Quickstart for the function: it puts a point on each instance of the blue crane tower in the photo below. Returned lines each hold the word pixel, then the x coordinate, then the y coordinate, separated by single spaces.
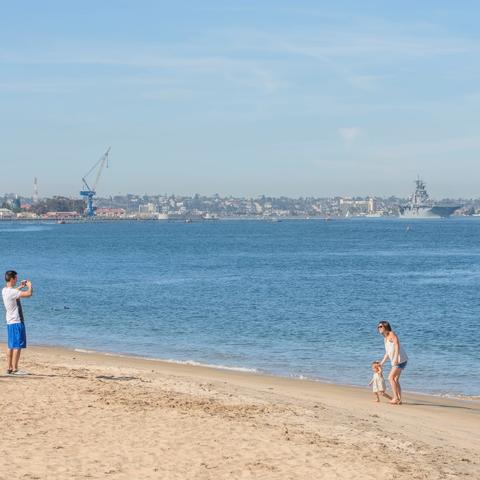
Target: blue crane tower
pixel 88 192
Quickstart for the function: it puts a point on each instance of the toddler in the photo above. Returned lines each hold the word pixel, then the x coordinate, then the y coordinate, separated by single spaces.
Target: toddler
pixel 378 382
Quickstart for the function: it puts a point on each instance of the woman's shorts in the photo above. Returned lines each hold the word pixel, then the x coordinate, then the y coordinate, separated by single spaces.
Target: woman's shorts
pixel 401 366
pixel 17 337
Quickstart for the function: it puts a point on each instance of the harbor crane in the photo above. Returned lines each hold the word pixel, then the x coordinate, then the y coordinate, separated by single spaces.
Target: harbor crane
pixel 88 192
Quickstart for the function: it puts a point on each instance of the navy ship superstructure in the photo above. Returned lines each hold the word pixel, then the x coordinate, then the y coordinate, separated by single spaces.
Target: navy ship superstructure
pixel 420 205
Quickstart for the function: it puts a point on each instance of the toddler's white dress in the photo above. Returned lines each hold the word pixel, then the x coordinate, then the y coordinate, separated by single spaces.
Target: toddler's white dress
pixel 378 384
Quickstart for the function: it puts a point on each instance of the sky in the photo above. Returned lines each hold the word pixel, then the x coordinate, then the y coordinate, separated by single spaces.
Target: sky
pixel 246 97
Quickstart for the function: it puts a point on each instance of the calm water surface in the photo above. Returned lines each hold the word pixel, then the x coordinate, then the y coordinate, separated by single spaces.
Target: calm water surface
pixel 295 298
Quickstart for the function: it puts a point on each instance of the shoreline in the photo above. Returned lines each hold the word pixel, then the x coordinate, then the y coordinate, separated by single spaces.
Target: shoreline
pixel 187 366
pixel 247 370
pixel 92 415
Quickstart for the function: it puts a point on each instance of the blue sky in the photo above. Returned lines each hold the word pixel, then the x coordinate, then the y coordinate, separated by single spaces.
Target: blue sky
pixel 241 97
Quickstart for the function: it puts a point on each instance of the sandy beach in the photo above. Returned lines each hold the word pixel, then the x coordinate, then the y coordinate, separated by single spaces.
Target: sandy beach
pixel 82 415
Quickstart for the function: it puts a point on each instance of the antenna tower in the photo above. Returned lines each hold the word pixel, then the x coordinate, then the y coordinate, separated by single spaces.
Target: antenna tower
pixel 35 190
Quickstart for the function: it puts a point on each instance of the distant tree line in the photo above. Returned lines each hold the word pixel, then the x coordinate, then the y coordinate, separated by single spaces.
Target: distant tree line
pixel 58 204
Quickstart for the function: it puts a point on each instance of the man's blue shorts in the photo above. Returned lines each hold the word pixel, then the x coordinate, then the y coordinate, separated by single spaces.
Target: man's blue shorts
pixel 17 337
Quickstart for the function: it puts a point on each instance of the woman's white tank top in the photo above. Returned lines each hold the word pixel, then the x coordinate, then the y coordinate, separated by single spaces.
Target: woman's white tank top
pixel 390 349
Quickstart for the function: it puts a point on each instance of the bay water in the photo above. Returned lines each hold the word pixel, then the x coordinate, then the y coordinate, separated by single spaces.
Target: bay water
pixel 298 298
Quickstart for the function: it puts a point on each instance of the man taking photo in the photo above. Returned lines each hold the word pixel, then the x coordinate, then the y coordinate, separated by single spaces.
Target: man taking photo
pixel 17 338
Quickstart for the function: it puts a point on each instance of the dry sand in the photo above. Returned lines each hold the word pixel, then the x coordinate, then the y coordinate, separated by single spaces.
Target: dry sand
pixel 81 415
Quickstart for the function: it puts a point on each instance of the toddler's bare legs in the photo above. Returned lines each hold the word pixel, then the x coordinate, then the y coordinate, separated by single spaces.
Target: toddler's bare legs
pixel 376 397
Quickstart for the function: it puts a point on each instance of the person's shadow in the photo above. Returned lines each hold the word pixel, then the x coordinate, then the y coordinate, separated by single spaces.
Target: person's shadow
pixel 440 405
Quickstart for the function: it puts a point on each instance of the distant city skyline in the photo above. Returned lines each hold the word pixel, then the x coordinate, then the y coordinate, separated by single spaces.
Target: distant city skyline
pixel 150 195
pixel 200 207
pixel 244 99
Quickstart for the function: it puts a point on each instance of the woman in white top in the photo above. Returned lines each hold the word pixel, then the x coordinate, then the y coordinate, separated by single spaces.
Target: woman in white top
pixel 398 358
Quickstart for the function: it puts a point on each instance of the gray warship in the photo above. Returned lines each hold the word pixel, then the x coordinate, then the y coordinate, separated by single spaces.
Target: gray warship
pixel 420 205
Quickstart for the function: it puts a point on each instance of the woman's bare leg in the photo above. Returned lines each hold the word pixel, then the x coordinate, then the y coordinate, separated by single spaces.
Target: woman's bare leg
pixel 394 379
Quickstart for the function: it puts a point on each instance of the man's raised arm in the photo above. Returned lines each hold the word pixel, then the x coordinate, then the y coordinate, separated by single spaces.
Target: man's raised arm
pixel 28 292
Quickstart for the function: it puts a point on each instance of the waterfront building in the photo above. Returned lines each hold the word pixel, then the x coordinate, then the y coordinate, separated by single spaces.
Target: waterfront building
pixel 110 212
pixel 6 213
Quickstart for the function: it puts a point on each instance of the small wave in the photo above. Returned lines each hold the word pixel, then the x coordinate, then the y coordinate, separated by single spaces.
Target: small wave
pixel 167 360
pixel 24 229
pixel 209 365
pixel 303 377
pixel 448 395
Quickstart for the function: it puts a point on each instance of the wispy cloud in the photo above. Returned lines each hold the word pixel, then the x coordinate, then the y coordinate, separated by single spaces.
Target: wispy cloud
pixel 247 72
pixel 54 86
pixel 367 83
pixel 441 146
pixel 143 58
pixel 349 134
pixel 266 60
pixel 354 45
pixel 344 40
